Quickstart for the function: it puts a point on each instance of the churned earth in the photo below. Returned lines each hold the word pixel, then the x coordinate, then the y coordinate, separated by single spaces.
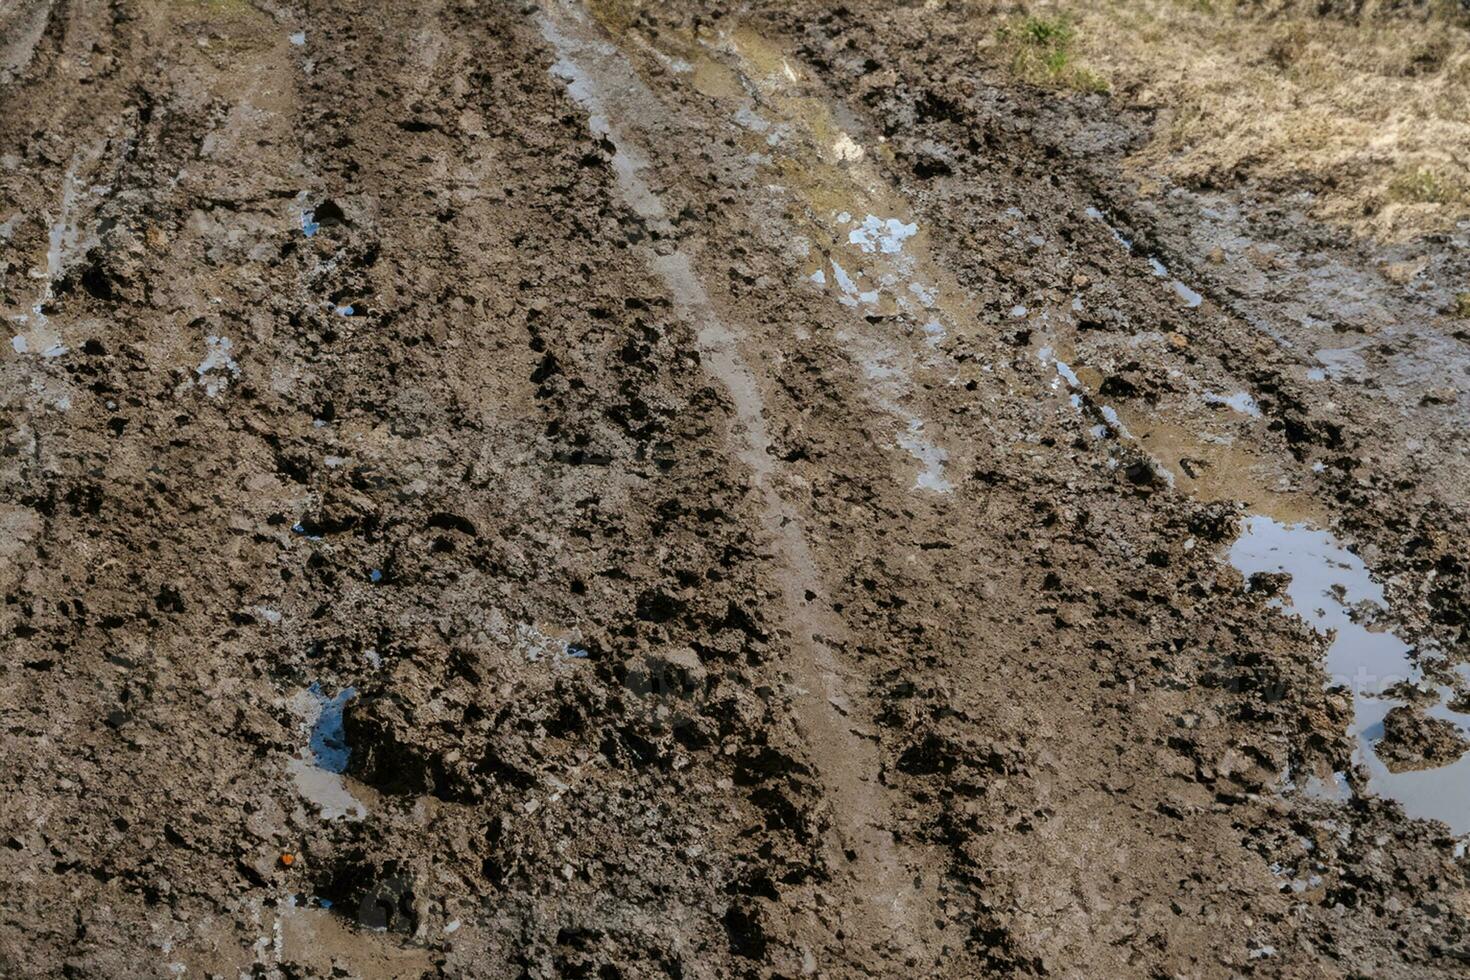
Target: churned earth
pixel 600 488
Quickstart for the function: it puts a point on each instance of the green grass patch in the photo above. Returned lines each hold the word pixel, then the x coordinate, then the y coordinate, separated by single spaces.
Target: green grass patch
pixel 1424 186
pixel 1043 52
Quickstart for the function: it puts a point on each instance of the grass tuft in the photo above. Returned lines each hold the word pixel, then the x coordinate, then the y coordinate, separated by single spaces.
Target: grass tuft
pixel 1423 186
pixel 1043 52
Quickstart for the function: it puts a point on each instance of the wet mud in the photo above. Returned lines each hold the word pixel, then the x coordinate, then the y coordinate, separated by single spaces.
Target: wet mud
pixel 599 488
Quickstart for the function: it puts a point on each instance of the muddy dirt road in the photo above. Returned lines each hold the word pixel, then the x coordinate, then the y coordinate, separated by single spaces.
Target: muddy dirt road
pixel 590 488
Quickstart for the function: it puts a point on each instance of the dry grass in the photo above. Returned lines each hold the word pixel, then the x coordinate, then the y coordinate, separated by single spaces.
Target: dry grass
pixel 1372 115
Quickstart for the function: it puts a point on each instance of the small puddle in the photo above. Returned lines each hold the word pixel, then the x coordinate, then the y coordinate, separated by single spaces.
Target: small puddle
pixel 306 216
pixel 1339 362
pixel 1189 296
pixel 931 457
pixel 1240 401
pixel 1332 591
pixel 536 645
pixel 1097 215
pixel 318 769
pixel 1209 467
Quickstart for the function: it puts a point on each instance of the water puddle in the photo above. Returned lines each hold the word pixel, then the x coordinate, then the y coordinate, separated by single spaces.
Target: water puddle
pixel 1189 296
pixel 318 769
pixel 1240 401
pixel 1209 467
pixel 1335 788
pixel 1332 591
pixel 531 642
pixel 931 475
pixel 1329 588
pixel 305 216
pixel 1437 794
pixel 1339 363
pixel 1097 215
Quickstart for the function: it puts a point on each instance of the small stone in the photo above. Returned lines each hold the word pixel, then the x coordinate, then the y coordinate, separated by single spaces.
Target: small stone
pixel 1403 272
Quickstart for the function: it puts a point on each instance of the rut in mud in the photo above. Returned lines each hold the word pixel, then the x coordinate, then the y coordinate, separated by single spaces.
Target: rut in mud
pixel 631 489
pixel 607 88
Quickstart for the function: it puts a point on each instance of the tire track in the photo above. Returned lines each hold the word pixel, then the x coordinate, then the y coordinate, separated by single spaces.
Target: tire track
pixel 886 908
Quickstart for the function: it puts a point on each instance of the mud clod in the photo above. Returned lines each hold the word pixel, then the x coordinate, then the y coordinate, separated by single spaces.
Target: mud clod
pixel 1411 740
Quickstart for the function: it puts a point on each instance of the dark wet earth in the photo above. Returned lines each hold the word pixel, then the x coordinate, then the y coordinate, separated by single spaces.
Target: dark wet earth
pixel 614 489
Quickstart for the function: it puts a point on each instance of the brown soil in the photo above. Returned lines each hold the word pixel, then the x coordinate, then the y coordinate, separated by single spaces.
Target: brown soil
pixel 464 368
pixel 1413 741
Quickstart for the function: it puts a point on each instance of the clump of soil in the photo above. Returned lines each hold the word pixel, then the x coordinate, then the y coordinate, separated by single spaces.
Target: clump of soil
pixel 1412 740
